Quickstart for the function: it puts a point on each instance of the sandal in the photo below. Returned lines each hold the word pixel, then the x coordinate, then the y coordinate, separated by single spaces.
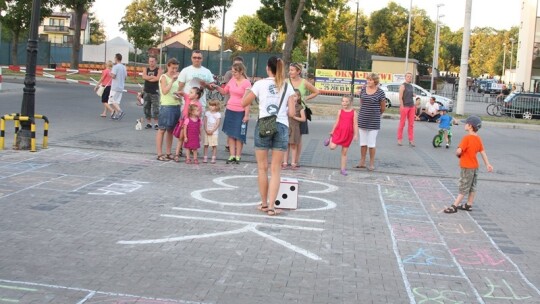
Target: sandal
pixel 262 208
pixel 294 166
pixel 213 161
pixel 162 158
pixel 273 212
pixel 196 161
pixel 177 158
pixel 451 209
pixel 169 157
pixel 188 161
pixel 284 166
pixel 205 160
pixel 465 207
pixel 181 152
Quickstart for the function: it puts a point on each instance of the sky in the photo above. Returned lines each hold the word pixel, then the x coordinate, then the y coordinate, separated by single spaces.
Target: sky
pixel 484 13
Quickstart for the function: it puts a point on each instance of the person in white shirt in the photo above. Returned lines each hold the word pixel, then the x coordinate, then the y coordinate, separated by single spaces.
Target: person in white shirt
pixel 195 75
pixel 119 75
pixel 431 111
pixel 270 91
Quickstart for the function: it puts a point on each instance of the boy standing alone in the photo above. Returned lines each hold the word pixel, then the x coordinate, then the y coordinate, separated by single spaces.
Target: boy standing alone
pixel 470 145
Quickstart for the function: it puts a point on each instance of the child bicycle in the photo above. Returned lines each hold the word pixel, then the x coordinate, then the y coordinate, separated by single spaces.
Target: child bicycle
pixel 439 138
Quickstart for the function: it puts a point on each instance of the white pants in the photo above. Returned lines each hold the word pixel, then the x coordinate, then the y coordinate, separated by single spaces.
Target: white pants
pixel 368 137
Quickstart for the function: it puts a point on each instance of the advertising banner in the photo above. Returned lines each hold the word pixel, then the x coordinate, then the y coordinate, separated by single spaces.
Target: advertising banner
pixel 339 81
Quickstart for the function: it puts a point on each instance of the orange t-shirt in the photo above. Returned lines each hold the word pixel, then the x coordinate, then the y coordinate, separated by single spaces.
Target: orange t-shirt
pixel 470 145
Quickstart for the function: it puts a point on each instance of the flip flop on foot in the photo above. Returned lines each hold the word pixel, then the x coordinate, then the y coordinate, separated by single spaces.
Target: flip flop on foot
pixel 273 212
pixel 360 166
pixel 262 208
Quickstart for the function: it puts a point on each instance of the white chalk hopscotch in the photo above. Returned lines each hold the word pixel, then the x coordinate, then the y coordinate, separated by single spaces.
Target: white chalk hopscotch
pixel 250 222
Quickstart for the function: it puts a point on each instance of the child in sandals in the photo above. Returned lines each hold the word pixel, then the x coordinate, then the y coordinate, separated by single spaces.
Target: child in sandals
pixel 470 145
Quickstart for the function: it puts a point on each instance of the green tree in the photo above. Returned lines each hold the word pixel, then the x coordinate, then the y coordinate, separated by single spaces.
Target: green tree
pixel 450 49
pixel 97 33
pixel 193 12
pixel 251 33
pixel 79 7
pixel 213 30
pixel 295 17
pixel 141 24
pixel 380 47
pixel 17 19
pixel 486 49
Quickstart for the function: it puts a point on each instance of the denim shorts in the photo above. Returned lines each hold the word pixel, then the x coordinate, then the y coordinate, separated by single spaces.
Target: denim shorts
pixel 168 117
pixel 278 141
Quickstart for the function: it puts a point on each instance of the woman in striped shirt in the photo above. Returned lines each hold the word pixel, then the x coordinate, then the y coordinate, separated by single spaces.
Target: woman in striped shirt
pixel 372 105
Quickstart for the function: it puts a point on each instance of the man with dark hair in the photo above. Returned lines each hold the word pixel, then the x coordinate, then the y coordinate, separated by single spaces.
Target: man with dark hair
pixel 195 75
pixel 151 92
pixel 119 75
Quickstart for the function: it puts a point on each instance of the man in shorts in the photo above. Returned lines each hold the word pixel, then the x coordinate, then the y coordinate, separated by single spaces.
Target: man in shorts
pixel 151 93
pixel 119 75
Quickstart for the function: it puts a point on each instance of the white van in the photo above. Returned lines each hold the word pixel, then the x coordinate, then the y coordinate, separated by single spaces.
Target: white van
pixel 392 96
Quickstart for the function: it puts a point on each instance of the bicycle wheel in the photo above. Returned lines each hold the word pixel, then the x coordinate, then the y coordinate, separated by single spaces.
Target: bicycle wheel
pixel 497 110
pixel 437 140
pixel 489 109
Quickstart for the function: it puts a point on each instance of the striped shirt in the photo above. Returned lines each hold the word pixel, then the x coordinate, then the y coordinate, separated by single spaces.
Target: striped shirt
pixel 369 115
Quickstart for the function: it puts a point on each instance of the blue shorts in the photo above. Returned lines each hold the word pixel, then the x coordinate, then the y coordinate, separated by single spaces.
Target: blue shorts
pixel 168 117
pixel 278 141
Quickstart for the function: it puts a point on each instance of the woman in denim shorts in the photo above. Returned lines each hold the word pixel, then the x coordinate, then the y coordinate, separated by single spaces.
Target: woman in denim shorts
pixel 270 91
pixel 169 109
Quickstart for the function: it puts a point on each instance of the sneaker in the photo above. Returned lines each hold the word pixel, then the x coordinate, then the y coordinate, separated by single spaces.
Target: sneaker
pixel 148 126
pixel 119 117
pixel 447 146
pixel 344 172
pixel 113 115
pixel 155 127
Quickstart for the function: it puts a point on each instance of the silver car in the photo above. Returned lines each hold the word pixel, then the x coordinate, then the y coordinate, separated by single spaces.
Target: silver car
pixel 392 96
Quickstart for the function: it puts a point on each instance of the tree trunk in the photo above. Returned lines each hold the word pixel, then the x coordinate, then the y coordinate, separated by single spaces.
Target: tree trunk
pixel 197 24
pixel 291 25
pixel 14 46
pixel 79 11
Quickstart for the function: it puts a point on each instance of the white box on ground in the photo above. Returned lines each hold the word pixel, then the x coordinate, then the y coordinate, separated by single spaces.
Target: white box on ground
pixel 287 197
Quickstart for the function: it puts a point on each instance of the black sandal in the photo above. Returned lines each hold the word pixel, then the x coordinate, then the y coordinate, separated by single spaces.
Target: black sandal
pixel 465 207
pixel 451 209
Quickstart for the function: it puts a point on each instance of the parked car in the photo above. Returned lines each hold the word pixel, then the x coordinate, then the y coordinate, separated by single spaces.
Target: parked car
pixel 392 96
pixel 525 105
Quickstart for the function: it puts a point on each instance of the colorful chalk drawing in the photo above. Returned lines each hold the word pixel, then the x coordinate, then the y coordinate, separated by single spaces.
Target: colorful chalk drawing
pixel 504 289
pixel 248 226
pixel 468 256
pixel 427 257
pixel 403 220
pixel 430 295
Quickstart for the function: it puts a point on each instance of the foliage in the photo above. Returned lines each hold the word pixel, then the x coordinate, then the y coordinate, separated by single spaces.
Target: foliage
pixel 193 12
pixel 97 32
pixel 291 15
pixel 298 55
pixel 213 30
pixel 252 33
pixel 141 23
pixel 17 19
pixel 79 7
pixel 381 46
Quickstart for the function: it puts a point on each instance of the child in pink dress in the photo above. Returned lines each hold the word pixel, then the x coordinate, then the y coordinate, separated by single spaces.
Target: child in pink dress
pixel 192 133
pixel 344 130
pixel 190 99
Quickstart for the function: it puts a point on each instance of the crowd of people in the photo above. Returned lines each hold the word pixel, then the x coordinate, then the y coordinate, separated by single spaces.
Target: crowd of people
pixel 175 105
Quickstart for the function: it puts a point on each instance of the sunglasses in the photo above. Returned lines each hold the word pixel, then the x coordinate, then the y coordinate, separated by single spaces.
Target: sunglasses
pixel 196 57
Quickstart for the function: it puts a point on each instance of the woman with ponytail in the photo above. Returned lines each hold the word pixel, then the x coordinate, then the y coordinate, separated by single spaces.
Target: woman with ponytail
pixel 270 91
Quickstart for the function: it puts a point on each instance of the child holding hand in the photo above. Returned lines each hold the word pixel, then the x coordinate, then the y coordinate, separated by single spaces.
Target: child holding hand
pixel 192 133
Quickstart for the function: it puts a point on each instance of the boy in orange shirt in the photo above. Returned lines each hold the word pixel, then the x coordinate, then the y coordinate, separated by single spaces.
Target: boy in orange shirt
pixel 470 145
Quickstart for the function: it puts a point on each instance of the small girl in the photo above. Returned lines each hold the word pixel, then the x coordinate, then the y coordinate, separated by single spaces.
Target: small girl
pixel 294 130
pixel 190 99
pixel 344 130
pixel 212 119
pixel 192 133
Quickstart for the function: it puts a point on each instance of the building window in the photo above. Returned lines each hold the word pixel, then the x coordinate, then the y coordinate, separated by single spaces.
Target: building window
pixel 57 22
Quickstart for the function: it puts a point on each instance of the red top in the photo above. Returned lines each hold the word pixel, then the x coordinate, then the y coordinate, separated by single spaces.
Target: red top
pixel 107 79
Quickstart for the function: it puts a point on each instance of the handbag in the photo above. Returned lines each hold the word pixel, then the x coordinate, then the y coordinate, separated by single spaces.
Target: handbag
pixel 100 90
pixel 268 124
pixel 307 111
pixel 178 128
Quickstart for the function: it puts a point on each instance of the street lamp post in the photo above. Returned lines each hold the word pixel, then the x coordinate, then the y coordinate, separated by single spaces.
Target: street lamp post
pixel 504 61
pixel 2 13
pixel 408 38
pixel 355 40
pixel 435 65
pixel 512 40
pixel 28 102
pixel 222 40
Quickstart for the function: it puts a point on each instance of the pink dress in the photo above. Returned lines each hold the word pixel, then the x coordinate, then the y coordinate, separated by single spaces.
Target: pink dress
pixel 193 133
pixel 344 132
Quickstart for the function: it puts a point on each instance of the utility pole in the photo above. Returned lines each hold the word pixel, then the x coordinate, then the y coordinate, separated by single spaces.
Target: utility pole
pixel 355 40
pixel 463 70
pixel 408 40
pixel 435 65
pixel 222 39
